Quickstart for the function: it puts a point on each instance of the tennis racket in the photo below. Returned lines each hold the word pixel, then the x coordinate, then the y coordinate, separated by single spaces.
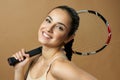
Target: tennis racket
pixel 94 35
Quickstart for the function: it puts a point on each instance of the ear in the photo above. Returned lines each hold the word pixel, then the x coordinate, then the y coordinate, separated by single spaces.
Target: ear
pixel 69 39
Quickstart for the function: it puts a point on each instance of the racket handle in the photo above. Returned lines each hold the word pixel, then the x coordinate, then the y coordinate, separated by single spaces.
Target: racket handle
pixel 12 61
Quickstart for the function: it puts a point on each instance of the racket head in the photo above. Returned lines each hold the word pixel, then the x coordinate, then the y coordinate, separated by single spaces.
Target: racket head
pixel 109 34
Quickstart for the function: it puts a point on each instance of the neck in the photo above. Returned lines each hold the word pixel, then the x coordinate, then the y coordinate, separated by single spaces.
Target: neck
pixel 48 52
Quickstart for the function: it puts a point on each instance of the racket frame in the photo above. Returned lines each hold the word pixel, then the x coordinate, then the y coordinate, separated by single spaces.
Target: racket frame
pixel 108 29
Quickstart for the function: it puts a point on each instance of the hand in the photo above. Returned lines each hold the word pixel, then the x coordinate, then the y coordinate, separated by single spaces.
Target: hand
pixel 22 57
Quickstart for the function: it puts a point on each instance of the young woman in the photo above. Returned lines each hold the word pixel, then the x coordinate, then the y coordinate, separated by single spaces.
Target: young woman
pixel 54 63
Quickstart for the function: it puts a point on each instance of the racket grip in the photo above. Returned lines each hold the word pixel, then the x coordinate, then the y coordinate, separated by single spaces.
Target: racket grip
pixel 12 61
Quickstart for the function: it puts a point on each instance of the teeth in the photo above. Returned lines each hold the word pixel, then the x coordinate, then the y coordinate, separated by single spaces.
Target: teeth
pixel 46 35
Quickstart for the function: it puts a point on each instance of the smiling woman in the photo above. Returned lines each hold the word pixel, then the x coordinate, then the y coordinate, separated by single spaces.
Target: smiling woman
pixel 57 30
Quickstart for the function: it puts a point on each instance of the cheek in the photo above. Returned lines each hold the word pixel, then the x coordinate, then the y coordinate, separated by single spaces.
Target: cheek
pixel 41 28
pixel 40 32
pixel 61 37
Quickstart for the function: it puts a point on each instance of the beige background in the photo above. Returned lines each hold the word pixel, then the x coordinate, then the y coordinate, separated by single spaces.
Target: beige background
pixel 20 20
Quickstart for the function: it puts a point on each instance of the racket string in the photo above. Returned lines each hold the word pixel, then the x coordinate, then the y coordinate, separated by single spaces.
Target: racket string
pixel 98 42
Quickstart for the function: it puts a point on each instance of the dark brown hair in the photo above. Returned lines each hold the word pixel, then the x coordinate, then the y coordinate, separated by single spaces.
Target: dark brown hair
pixel 74 26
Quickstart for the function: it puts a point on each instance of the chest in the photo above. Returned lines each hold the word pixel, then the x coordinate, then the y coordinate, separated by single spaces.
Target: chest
pixel 38 70
pixel 41 72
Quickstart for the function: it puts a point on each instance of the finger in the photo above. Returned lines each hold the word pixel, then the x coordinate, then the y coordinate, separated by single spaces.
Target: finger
pixel 15 56
pixel 18 55
pixel 23 51
pixel 24 54
pixel 21 57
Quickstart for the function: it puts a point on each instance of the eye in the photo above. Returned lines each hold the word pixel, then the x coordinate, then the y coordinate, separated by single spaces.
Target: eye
pixel 61 28
pixel 47 20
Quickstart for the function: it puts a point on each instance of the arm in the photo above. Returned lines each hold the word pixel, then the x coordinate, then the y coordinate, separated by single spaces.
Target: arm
pixel 19 68
pixel 19 74
pixel 65 70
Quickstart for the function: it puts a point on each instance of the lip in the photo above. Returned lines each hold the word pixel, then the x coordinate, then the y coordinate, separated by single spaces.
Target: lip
pixel 46 35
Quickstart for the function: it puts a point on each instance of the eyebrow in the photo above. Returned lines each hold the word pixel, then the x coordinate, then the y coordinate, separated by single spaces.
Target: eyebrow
pixel 62 24
pixel 58 22
pixel 50 18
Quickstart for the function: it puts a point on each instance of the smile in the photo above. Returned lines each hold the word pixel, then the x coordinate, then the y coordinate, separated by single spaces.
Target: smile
pixel 46 35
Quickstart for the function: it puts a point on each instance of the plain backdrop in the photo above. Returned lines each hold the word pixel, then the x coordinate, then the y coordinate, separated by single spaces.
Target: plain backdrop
pixel 19 24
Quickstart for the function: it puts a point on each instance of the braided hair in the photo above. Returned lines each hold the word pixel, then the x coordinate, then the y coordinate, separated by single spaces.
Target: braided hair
pixel 74 26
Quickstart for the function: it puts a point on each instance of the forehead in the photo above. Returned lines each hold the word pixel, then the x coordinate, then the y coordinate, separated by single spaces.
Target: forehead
pixel 60 15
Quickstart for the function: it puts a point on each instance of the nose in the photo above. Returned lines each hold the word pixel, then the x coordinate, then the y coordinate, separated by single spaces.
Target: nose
pixel 50 28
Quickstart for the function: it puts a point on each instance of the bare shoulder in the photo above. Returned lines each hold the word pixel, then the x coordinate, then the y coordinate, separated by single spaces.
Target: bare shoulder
pixel 65 70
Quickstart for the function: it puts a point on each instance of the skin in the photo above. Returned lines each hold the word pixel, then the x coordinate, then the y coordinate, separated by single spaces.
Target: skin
pixel 52 34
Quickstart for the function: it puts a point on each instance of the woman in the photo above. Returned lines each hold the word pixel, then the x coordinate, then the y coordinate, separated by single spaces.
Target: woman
pixel 54 63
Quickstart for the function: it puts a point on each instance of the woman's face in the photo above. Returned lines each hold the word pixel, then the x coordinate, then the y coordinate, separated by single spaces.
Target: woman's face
pixel 55 28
